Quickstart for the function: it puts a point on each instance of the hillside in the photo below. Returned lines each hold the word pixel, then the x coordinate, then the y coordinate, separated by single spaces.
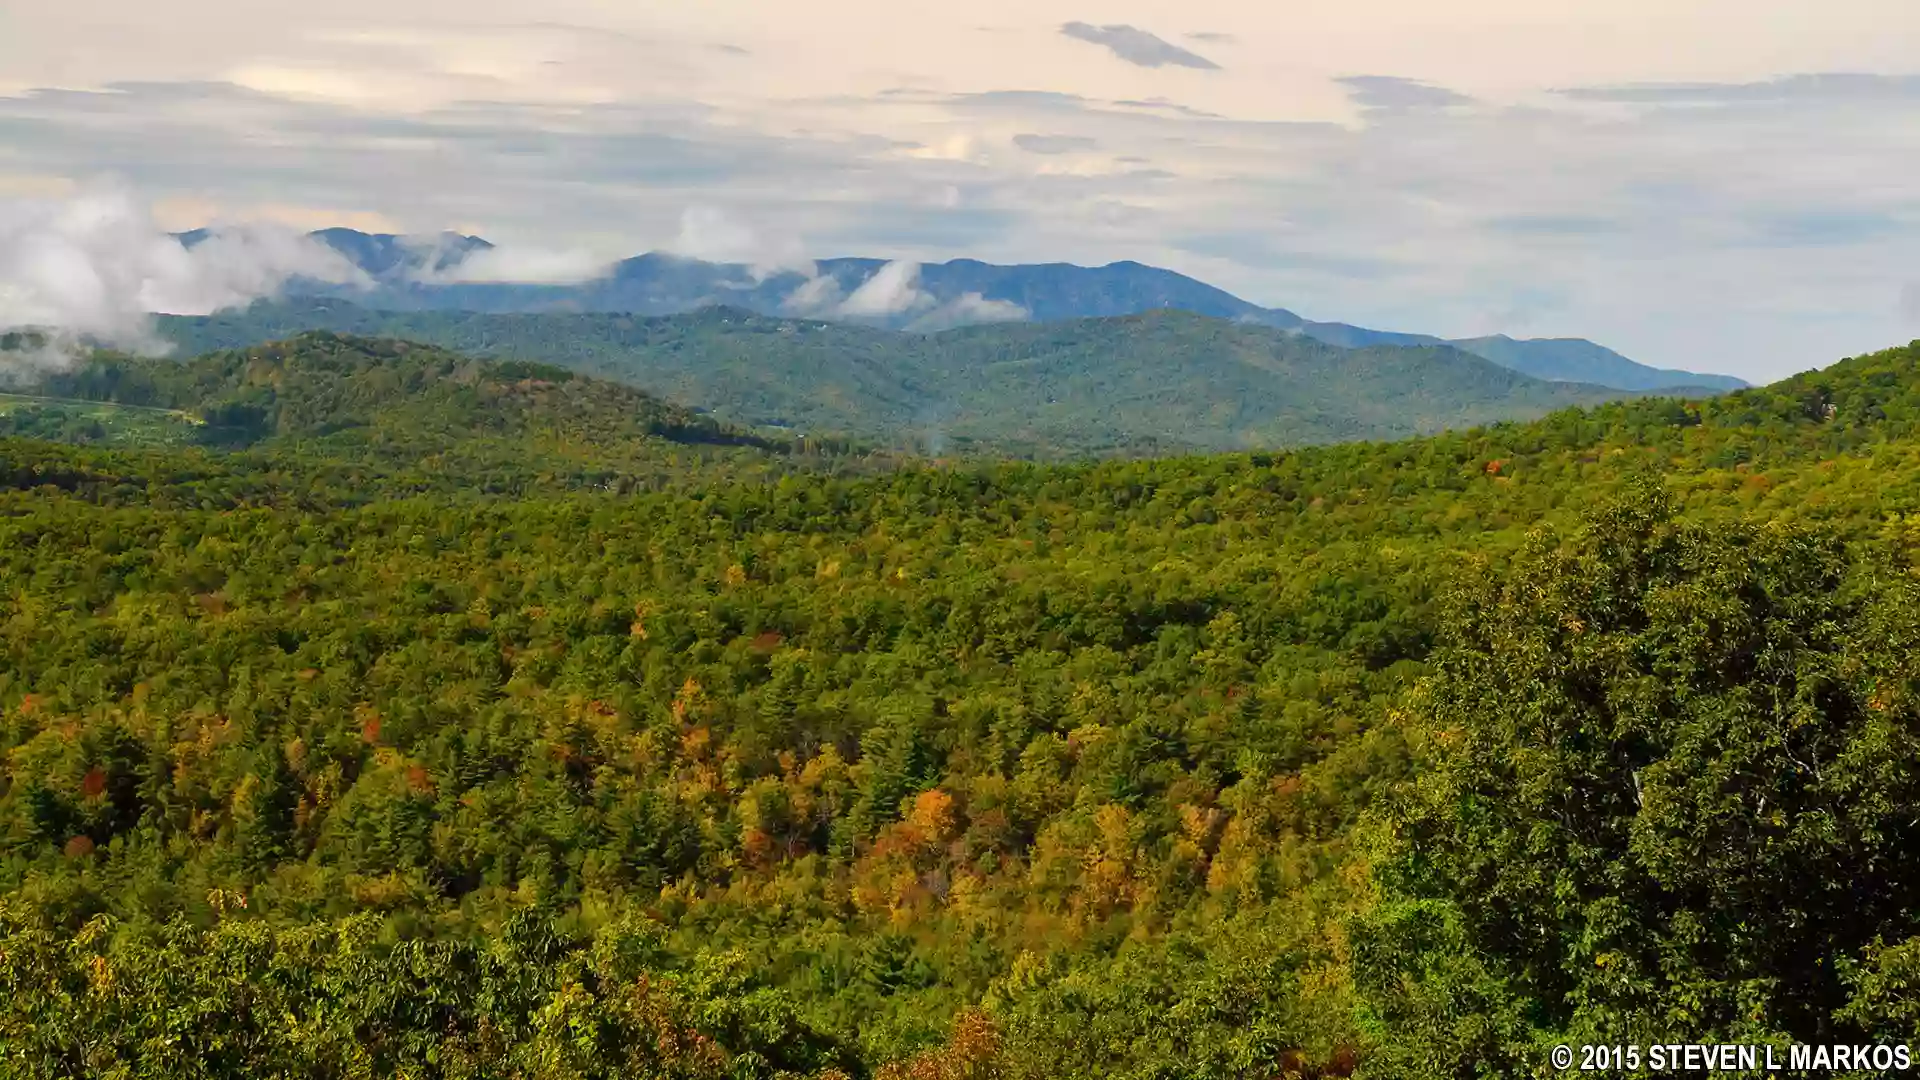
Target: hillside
pixel 1347 760
pixel 1182 380
pixel 76 420
pixel 1159 381
pixel 319 383
pixel 407 415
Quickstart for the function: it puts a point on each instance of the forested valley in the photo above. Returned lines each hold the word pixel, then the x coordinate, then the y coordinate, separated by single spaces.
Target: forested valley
pixel 371 711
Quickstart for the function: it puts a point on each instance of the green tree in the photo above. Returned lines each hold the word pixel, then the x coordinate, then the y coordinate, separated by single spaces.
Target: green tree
pixel 1675 775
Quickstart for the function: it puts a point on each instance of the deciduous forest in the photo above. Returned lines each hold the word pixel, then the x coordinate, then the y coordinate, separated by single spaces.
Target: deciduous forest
pixel 367 710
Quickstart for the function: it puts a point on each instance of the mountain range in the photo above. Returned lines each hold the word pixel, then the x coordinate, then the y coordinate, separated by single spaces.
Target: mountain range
pixel 439 273
pixel 1161 381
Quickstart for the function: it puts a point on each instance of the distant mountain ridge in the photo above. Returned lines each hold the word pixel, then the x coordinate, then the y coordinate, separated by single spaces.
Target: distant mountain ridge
pixel 1159 381
pixel 415 274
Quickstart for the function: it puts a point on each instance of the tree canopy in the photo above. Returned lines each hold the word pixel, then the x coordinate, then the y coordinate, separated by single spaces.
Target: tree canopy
pixel 541 731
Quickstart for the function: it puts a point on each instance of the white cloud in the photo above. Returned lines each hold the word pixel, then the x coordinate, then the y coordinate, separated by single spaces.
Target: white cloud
pixel 530 266
pixel 1137 46
pixel 817 296
pixel 95 265
pixel 894 290
pixel 893 295
pixel 712 234
pixel 1690 207
pixel 967 309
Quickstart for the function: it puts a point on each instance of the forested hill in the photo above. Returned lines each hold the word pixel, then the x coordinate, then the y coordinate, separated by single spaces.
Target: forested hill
pixel 405 415
pixel 1400 760
pixel 1157 382
pixel 320 383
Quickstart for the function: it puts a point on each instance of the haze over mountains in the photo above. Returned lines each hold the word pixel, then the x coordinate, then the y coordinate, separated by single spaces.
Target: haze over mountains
pixel 453 272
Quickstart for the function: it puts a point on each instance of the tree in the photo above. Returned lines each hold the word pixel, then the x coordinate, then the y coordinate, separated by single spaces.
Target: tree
pixel 1675 780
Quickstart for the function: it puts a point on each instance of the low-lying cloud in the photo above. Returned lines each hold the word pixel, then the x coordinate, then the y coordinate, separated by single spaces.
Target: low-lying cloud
pixel 893 295
pixel 525 266
pixel 95 267
pixel 966 310
pixel 711 234
pixel 1136 46
pixel 895 290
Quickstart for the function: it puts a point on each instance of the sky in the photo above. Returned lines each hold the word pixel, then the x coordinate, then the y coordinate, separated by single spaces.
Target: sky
pixel 1707 184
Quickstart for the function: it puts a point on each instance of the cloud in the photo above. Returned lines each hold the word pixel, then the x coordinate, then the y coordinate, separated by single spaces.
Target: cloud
pixel 816 296
pixel 1846 86
pixel 712 234
pixel 1020 100
pixel 1136 46
pixel 1822 228
pixel 894 290
pixel 1550 225
pixel 1213 37
pixel 431 259
pixel 893 295
pixel 1758 239
pixel 1250 247
pixel 93 267
pixel 1163 105
pixel 966 310
pixel 1054 144
pixel 1392 92
pixel 523 265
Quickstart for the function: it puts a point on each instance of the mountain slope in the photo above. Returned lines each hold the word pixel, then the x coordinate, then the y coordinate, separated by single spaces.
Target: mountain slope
pixel 393 261
pixel 1051 292
pixel 415 413
pixel 1173 378
pixel 320 383
pixel 1161 380
pixel 1579 360
pixel 748 368
pixel 392 258
pixel 74 420
pixel 938 295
